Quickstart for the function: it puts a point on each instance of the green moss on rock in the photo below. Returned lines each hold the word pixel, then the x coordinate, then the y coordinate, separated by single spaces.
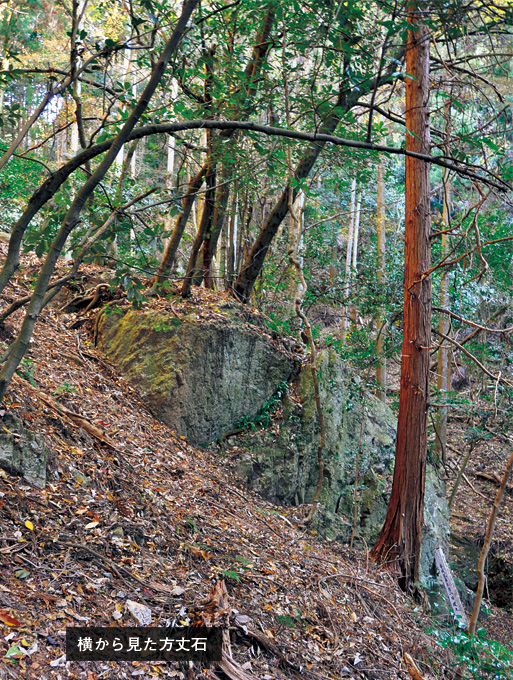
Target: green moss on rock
pixel 283 466
pixel 199 377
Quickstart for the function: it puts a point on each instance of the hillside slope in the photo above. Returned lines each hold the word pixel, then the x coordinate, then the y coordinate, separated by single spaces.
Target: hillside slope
pixel 144 516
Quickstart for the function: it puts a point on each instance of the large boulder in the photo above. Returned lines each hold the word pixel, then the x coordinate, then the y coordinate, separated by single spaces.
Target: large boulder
pixel 201 377
pixel 281 463
pixel 22 452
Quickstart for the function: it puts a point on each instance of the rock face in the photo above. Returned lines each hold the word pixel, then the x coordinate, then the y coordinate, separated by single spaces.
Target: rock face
pixel 282 465
pixel 22 452
pixel 203 377
pixel 465 553
pixel 199 377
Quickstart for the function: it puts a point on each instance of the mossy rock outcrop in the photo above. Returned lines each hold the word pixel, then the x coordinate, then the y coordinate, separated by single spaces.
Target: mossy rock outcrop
pixel 281 463
pixel 201 377
pixel 204 376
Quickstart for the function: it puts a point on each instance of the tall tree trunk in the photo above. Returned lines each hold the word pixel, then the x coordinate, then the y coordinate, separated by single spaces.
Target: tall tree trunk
pixel 232 239
pixel 444 360
pixel 212 237
pixel 204 227
pixel 356 233
pixel 181 221
pixel 251 74
pixel 400 539
pixel 347 98
pixel 381 369
pixel 256 256
pixel 297 223
pixel 349 259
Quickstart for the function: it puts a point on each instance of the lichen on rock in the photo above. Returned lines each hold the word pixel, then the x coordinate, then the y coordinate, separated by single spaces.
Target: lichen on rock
pixel 199 377
pixel 282 465
pixel 22 452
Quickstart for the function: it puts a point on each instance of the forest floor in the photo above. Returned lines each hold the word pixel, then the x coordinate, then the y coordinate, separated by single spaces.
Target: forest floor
pixel 135 514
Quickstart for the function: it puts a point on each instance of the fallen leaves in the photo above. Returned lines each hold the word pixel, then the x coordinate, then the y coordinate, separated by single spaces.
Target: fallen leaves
pixel 9 620
pixel 22 573
pixel 158 522
pixel 140 612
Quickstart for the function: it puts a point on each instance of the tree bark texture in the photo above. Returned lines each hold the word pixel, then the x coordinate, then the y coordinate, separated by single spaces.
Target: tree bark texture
pixel 204 227
pixel 349 259
pixel 252 264
pixel 181 221
pixel 251 73
pixel 255 259
pixel 50 187
pixel 486 548
pixel 444 357
pixel 210 243
pixel 381 369
pixel 400 538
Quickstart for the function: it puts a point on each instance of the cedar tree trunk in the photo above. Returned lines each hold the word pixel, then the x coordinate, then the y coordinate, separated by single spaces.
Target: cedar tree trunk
pixel 400 538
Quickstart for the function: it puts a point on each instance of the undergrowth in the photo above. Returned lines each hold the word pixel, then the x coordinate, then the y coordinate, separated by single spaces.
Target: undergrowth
pixel 477 657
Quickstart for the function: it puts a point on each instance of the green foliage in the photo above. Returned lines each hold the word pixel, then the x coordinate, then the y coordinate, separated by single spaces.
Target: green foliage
pixel 27 369
pixel 65 388
pixel 290 621
pixel 480 657
pixel 231 575
pixel 264 416
pixel 280 324
pixel 163 326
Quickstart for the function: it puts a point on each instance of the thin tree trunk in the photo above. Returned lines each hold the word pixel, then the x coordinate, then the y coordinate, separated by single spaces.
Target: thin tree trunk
pixel 349 259
pixel 87 243
pixel 400 539
pixel 486 548
pixel 232 240
pixel 298 299
pixel 251 73
pixel 444 357
pixel 356 233
pixel 381 369
pixel 295 244
pixel 212 237
pixel 254 261
pixel 51 93
pixel 181 221
pixel 73 215
pixel 203 229
pixel 256 256
pixel 24 131
pixel 170 165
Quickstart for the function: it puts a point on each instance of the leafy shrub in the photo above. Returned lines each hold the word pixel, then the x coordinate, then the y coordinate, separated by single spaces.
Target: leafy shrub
pixel 479 657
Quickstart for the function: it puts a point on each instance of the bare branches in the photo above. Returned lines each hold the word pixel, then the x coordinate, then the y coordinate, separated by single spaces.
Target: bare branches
pixel 486 547
pixel 472 357
pixel 473 323
pixel 489 178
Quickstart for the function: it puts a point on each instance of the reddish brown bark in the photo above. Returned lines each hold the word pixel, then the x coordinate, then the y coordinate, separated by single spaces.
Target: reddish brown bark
pixel 400 538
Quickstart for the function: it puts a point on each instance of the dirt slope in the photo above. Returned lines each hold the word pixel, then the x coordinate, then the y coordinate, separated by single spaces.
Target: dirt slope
pixel 149 518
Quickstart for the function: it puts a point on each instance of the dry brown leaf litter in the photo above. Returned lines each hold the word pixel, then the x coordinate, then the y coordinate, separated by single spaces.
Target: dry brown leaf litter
pixel 157 521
